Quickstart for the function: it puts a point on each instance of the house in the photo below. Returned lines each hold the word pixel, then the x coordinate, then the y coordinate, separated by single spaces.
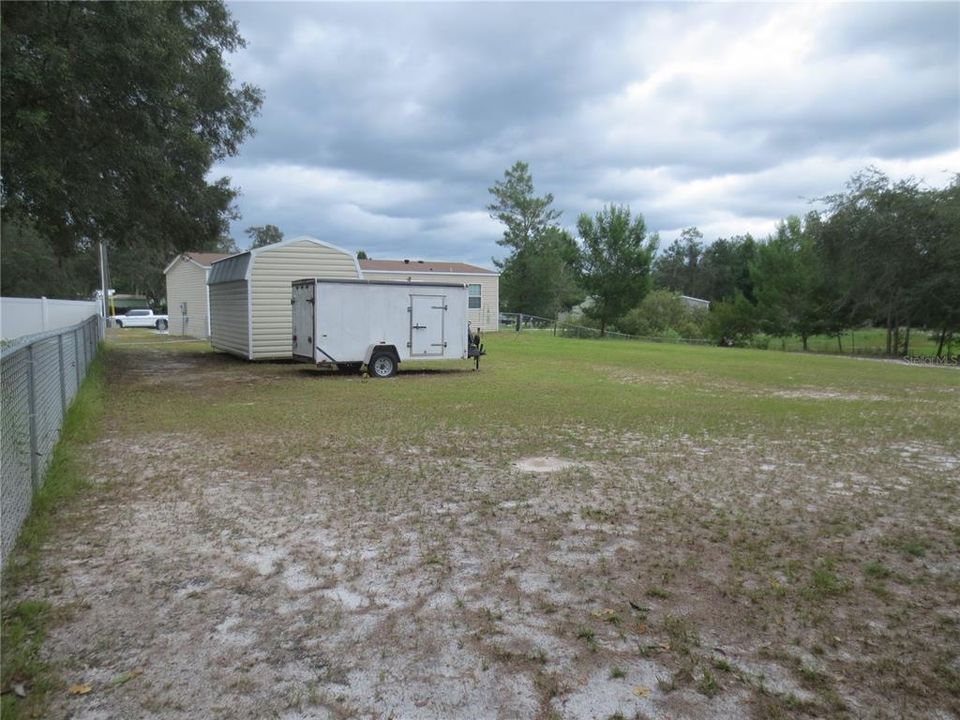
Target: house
pixel 188 302
pixel 483 285
pixel 250 294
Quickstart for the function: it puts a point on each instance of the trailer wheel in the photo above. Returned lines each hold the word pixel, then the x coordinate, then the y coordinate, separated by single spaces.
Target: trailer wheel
pixel 382 365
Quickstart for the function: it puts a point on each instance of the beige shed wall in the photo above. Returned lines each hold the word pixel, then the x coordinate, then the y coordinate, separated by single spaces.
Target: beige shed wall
pixel 486 317
pixel 229 329
pixel 187 282
pixel 273 271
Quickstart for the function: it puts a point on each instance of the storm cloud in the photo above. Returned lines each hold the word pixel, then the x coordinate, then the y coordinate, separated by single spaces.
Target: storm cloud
pixel 384 125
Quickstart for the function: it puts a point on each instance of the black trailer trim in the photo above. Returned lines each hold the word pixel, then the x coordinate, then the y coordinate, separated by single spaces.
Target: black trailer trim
pixel 321 350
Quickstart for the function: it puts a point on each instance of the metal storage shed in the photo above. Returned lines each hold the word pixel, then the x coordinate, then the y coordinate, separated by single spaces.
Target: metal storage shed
pixel 250 294
pixel 188 304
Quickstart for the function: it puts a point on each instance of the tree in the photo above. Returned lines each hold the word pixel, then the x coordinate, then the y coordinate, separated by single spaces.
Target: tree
pixel 677 269
pixel 113 115
pixel 262 235
pixel 226 245
pixel 616 262
pixel 789 285
pixel 732 321
pixel 876 241
pixel 30 266
pixel 937 293
pixel 543 278
pixel 541 274
pixel 724 268
pixel 525 215
pixel 362 255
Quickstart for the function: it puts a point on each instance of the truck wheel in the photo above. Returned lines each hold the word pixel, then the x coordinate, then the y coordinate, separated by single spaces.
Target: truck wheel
pixel 119 324
pixel 162 325
pixel 382 365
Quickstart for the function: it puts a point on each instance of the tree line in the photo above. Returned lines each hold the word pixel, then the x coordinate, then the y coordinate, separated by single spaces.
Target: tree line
pixel 879 253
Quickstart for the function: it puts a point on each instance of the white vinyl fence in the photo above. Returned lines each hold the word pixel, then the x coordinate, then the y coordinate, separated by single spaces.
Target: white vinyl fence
pixel 28 316
pixel 40 375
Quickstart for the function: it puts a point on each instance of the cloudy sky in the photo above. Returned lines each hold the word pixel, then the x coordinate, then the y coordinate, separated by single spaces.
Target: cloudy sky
pixel 384 125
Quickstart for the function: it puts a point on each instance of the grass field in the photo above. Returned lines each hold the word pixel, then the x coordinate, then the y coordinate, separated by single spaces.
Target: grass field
pixel 581 529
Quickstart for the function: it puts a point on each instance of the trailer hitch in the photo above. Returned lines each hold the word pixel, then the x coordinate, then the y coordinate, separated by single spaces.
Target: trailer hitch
pixel 475 348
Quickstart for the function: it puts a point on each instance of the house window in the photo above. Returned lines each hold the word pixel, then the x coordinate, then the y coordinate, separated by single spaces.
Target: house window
pixel 473 296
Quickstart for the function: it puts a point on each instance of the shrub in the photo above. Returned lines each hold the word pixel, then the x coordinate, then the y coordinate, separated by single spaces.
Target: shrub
pixel 663 314
pixel 735 321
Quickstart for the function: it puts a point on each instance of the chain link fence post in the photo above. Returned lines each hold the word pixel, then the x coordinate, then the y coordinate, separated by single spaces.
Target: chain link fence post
pixel 32 415
pixel 76 356
pixel 63 375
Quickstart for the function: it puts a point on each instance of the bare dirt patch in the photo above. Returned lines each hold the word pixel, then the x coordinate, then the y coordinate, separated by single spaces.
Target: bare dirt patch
pixel 286 570
pixel 543 464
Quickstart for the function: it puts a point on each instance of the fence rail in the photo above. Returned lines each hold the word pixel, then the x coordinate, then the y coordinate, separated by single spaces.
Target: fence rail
pixel 522 321
pixel 40 376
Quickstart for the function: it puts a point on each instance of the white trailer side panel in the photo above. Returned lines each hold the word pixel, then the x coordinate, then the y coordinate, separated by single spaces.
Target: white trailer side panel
pixel 420 320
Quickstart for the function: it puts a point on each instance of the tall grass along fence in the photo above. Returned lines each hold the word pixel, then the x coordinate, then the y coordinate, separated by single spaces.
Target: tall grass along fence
pixel 40 375
pixel 562 328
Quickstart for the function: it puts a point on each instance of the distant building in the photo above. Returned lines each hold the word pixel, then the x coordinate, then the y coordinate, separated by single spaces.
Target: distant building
pixel 188 301
pixel 696 303
pixel 483 285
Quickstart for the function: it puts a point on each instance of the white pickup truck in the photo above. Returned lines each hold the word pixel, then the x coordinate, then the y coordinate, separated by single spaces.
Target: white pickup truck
pixel 141 318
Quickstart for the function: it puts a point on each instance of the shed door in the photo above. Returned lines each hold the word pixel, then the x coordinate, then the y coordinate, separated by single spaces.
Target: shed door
pixel 303 319
pixel 426 325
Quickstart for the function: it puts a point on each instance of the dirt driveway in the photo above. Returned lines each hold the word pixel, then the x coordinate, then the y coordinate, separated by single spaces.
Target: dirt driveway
pixel 295 570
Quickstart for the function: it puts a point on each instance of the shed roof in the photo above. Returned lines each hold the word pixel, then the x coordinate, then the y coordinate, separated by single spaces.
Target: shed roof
pixel 237 267
pixel 428 266
pixel 204 260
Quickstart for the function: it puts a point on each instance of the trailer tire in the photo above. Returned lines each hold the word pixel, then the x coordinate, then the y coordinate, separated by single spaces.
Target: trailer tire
pixel 382 365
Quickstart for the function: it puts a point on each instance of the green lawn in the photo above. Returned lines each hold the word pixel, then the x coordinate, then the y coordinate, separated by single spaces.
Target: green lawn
pixel 729 533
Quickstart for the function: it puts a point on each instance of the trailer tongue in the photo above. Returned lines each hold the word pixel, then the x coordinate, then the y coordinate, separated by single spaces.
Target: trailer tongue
pixel 474 347
pixel 351 323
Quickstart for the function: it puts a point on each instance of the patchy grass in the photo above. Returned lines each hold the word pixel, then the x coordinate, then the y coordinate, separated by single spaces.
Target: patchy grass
pixel 25 619
pixel 740 533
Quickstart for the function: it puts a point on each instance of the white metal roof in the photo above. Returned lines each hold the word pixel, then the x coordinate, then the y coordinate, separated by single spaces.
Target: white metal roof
pixel 237 267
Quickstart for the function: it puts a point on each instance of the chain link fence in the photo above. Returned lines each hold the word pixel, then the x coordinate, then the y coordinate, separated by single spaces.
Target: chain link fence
pixel 564 328
pixel 40 375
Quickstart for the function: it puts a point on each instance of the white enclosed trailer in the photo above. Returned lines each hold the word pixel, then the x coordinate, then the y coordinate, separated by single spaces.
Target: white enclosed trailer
pixel 351 323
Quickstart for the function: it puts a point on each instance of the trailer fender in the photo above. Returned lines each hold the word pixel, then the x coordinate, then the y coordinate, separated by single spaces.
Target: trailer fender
pixel 392 349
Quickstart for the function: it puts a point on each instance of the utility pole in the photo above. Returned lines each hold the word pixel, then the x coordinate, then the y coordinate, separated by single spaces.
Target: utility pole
pixel 103 280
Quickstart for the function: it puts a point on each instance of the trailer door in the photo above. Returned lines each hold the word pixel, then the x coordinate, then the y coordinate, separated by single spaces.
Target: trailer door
pixel 426 325
pixel 303 319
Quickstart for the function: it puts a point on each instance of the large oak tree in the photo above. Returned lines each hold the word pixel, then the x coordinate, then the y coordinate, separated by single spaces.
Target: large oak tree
pixel 113 115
